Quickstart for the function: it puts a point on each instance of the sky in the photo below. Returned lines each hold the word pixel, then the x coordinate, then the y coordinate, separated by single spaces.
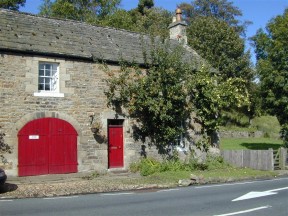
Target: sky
pixel 257 11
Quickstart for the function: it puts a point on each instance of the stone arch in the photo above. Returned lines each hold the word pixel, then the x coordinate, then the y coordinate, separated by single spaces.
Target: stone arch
pixel 33 116
pixel 47 114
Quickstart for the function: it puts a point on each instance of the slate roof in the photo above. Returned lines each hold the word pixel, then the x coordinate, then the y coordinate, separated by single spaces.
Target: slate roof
pixel 26 33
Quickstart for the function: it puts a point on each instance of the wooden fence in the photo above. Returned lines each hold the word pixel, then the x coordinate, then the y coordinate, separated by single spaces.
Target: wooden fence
pixel 255 159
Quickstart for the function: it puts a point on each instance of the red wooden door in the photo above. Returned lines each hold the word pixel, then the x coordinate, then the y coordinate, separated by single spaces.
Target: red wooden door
pixel 47 146
pixel 115 146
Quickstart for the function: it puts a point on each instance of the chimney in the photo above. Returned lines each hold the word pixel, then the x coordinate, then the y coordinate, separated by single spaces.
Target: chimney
pixel 178 28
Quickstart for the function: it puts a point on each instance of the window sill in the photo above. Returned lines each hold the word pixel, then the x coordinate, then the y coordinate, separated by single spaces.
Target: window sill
pixel 48 94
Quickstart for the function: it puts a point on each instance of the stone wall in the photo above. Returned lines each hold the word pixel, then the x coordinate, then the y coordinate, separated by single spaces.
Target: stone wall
pixel 82 84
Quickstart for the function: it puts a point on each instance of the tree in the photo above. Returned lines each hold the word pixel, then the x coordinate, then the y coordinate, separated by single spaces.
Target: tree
pixel 161 97
pixel 271 52
pixel 215 32
pixel 145 4
pixel 220 9
pixel 83 10
pixel 121 19
pixel 45 8
pixel 153 21
pixel 221 46
pixel 12 4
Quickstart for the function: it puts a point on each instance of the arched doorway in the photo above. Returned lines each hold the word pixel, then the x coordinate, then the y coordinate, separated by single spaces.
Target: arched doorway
pixel 47 146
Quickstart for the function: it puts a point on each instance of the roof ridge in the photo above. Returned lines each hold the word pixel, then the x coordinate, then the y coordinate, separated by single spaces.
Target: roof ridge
pixel 71 21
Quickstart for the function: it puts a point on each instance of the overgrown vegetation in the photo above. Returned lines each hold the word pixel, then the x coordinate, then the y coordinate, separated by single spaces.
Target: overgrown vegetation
pixel 269 125
pixel 149 166
pixel 162 97
pixel 271 53
pixel 4 147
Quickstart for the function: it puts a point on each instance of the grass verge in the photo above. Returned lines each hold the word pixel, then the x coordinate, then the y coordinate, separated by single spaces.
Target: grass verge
pixel 250 143
pixel 171 178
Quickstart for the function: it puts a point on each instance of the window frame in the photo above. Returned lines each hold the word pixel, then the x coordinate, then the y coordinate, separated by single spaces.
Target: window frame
pixel 54 88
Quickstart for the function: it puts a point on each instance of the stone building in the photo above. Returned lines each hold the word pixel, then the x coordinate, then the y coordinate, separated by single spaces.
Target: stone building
pixel 52 94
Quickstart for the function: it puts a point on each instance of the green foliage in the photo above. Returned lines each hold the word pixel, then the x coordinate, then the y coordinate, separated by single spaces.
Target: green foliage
pixel 4 147
pixel 156 97
pixel 268 124
pixel 221 10
pixel 215 31
pixel 221 46
pixel 83 10
pixel 149 166
pixel 162 97
pixel 153 21
pixel 145 4
pixel 120 19
pixel 210 99
pixel 144 19
pixel 284 134
pixel 12 4
pixel 45 8
pixel 271 49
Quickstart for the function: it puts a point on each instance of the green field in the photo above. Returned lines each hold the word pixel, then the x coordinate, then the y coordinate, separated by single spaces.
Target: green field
pixel 250 143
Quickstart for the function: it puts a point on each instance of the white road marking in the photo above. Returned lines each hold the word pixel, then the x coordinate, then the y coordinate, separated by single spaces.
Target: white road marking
pixel 278 189
pixel 253 194
pixel 245 211
pixel 115 194
pixel 256 194
pixel 239 183
pixel 167 190
pixel 55 198
pixel 6 200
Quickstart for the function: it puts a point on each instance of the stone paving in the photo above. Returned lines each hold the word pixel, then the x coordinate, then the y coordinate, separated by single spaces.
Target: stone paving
pixel 70 184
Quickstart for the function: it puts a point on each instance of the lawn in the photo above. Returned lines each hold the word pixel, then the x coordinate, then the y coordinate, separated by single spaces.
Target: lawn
pixel 250 143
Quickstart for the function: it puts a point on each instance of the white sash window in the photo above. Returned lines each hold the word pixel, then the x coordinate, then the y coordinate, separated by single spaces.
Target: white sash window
pixel 48 80
pixel 48 77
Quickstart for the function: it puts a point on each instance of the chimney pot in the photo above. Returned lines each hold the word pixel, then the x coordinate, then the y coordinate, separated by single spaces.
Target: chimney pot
pixel 178 15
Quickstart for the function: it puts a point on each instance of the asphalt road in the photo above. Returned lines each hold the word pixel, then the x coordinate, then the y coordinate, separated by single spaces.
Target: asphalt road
pixel 257 198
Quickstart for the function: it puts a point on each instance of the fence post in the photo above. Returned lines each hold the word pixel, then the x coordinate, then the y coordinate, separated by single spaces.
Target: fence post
pixel 271 154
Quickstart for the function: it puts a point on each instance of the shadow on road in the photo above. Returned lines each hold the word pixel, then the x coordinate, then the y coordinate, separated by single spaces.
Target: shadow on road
pixel 8 188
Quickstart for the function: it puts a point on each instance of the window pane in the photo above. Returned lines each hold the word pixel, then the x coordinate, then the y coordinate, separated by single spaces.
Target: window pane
pixel 41 80
pixel 48 77
pixel 47 80
pixel 48 73
pixel 54 67
pixel 41 66
pixel 47 87
pixel 40 86
pixel 48 66
pixel 41 72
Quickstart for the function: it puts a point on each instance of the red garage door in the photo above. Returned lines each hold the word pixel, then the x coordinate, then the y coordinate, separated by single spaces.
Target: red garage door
pixel 47 146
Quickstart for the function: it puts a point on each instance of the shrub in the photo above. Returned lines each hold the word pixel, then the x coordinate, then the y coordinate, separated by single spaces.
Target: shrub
pixel 4 147
pixel 216 162
pixel 194 164
pixel 149 166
